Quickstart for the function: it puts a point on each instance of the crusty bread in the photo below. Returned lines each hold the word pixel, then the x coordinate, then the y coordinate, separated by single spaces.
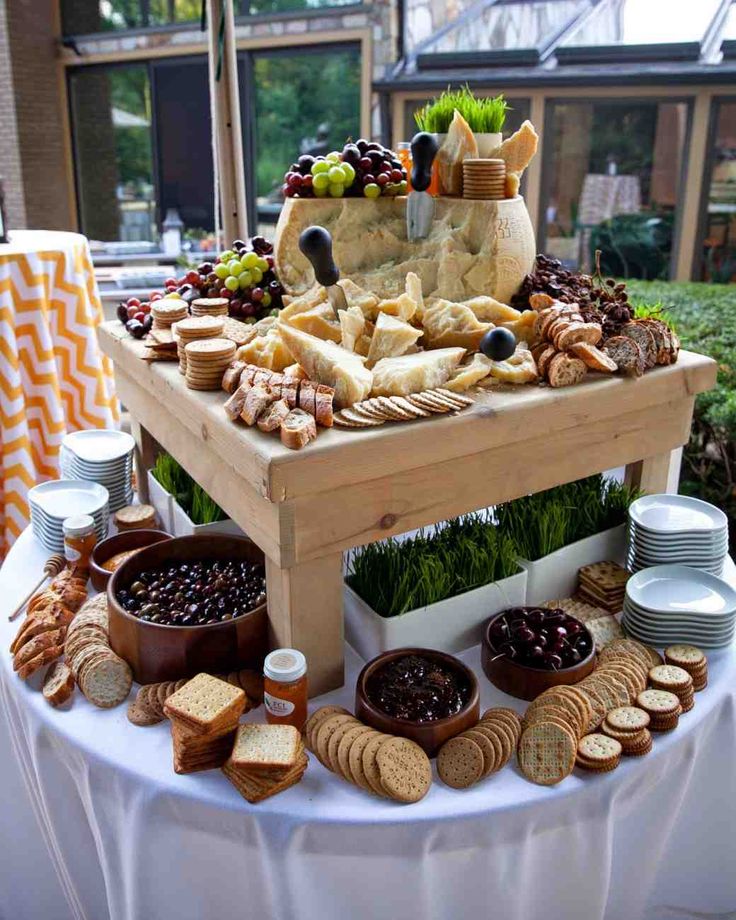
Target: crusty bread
pixel 544 358
pixel 594 358
pixel 290 391
pixel 565 370
pixel 644 337
pixel 307 397
pixel 323 405
pixel 627 355
pixel 231 377
pixel 58 683
pixel 298 429
pixel 591 333
pixel 234 405
pixel 272 417
pixel 257 399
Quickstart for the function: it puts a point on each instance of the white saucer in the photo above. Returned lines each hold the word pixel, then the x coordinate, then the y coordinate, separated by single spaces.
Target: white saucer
pixel 97 445
pixel 676 514
pixel 681 589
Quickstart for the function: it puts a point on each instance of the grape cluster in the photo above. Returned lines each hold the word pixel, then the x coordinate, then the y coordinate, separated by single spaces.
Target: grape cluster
pixel 363 169
pixel 244 275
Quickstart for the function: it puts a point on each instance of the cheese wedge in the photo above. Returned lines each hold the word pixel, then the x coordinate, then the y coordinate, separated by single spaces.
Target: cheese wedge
pixel 307 301
pixel 267 351
pixel 452 324
pixel 402 306
pixel 523 327
pixel 414 290
pixel 459 145
pixel 468 374
pixel 392 337
pixel 352 326
pixel 413 373
pixel 519 149
pixel 519 368
pixel 319 321
pixel 357 296
pixel 490 310
pixel 328 363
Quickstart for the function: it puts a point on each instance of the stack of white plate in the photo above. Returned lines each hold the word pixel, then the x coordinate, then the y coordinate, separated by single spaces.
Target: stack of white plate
pixel 677 530
pixel 667 604
pixel 53 502
pixel 103 456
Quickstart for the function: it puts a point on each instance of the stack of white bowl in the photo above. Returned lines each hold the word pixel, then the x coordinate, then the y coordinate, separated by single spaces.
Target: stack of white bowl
pixel 676 530
pixel 668 604
pixel 53 502
pixel 104 456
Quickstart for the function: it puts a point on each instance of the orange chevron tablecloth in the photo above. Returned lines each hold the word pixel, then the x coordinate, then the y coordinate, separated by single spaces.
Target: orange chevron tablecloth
pixel 53 376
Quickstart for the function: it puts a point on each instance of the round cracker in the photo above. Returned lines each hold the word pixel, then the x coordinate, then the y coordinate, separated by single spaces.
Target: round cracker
pixel 343 750
pixel 355 759
pixel 334 743
pixel 370 765
pixel 325 731
pixel 627 719
pixel 483 741
pixel 599 748
pixel 546 753
pixel 405 770
pixel 460 762
pixel 317 717
pixel 495 741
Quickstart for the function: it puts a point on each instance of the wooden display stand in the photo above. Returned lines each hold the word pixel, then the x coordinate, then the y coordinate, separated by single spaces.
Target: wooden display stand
pixel 303 508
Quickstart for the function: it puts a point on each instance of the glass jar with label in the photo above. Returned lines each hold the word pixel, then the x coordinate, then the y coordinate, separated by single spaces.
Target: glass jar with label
pixel 285 688
pixel 80 538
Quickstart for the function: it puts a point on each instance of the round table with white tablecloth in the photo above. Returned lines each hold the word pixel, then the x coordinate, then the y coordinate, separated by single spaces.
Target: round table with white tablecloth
pixel 129 839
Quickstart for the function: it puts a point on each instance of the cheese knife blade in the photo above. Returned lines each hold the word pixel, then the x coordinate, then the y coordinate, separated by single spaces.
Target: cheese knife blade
pixel 316 244
pixel 420 204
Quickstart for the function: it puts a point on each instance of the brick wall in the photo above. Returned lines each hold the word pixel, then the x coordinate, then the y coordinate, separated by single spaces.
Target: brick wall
pixel 10 168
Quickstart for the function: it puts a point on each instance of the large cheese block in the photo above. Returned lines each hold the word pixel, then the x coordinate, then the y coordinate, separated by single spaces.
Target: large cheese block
pixel 423 370
pixel 474 248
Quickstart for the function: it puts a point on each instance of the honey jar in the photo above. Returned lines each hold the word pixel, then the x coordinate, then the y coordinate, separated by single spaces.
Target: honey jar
pixel 285 688
pixel 80 539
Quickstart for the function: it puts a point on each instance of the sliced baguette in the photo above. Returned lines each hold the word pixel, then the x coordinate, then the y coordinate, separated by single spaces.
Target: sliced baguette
pixel 594 358
pixel 565 370
pixel 298 429
pixel 272 417
pixel 257 400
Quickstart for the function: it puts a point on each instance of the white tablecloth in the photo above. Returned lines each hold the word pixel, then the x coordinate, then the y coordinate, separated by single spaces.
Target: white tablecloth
pixel 131 840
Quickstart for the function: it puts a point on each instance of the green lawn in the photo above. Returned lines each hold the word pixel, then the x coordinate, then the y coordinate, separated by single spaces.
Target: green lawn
pixel 704 316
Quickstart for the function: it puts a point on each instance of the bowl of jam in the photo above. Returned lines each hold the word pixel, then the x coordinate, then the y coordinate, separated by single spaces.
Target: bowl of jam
pixel 110 554
pixel 527 650
pixel 418 693
pixel 187 605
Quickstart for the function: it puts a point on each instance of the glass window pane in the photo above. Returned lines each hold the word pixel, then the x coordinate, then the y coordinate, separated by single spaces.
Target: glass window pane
pixel 719 244
pixel 642 28
pixel 263 7
pixel 728 33
pixel 81 17
pixel 111 122
pixel 612 183
pixel 422 18
pixel 509 27
pixel 304 103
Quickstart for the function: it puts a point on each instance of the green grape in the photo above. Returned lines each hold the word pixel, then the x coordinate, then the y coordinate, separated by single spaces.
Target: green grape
pixel 319 192
pixel 333 157
pixel 274 312
pixel 320 181
pixel 245 279
pixel 266 301
pixel 403 187
pixel 349 174
pixel 250 320
pixel 372 190
pixel 221 270
pixel 337 191
pixel 235 267
pixel 249 260
pixel 262 264
pixel 320 166
pixel 337 176
pixel 256 274
pixel 231 283
pixel 227 255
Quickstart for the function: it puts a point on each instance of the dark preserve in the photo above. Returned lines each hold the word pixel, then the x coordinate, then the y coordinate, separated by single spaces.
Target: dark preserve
pixel 418 689
pixel 195 593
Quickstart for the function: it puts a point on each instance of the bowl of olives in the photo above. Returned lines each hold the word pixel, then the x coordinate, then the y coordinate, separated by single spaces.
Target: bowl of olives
pixel 527 650
pixel 189 604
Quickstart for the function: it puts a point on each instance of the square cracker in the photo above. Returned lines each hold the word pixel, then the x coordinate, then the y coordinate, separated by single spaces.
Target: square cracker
pixel 604 630
pixel 264 747
pixel 205 702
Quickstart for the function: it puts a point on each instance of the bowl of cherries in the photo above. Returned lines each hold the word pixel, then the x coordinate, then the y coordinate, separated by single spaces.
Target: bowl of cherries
pixel 526 650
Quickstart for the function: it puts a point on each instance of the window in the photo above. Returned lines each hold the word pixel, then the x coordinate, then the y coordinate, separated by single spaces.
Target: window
pixel 611 179
pixel 640 30
pixel 83 17
pixel 111 118
pixel 719 239
pixel 302 102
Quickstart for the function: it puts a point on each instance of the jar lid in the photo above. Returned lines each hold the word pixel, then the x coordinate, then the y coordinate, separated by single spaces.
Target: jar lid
pixel 79 524
pixel 285 665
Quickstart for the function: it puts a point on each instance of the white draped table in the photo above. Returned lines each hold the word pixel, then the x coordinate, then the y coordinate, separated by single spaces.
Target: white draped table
pixel 127 838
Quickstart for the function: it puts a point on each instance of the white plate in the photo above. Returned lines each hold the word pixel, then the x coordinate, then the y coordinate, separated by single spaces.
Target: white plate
pixel 52 520
pixel 97 445
pixel 676 514
pixel 675 638
pixel 636 567
pixel 667 615
pixel 668 625
pixel 62 498
pixel 681 589
pixel 690 539
pixel 676 628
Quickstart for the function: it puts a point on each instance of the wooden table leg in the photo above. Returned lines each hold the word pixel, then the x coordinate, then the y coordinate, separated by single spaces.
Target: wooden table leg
pixel 147 449
pixel 305 612
pixel 652 474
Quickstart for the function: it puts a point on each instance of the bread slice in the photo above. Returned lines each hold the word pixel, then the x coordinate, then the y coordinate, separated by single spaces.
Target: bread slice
pixel 58 684
pixel 231 377
pixel 234 405
pixel 298 429
pixel 290 391
pixel 591 333
pixel 544 358
pixel 323 405
pixel 644 337
pixel 265 747
pixel 308 396
pixel 257 400
pixel 272 417
pixel 564 370
pixel 595 359
pixel 627 355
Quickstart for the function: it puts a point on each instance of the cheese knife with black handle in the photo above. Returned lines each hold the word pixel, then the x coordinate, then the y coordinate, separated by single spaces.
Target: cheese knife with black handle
pixel 316 244
pixel 420 204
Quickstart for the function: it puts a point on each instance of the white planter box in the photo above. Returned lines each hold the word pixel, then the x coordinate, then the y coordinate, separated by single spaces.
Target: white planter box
pixel 182 525
pixel 161 501
pixel 449 626
pixel 556 575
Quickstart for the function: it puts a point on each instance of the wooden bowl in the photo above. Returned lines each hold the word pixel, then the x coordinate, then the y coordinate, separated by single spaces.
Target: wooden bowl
pixel 428 735
pixel 520 680
pixel 156 652
pixel 120 543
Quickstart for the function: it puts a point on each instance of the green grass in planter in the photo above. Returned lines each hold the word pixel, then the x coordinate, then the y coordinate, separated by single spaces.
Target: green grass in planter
pixel 393 577
pixel 542 523
pixel 205 510
pixel 484 115
pixel 200 508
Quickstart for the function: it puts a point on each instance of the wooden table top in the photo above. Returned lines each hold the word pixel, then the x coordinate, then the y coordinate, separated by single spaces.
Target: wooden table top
pixel 500 416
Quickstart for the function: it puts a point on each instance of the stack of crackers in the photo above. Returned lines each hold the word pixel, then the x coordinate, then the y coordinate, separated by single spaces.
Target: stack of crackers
pixel 480 751
pixel 484 179
pixel 148 706
pixel 265 760
pixel 675 680
pixel 206 361
pixel 663 708
pixel 381 409
pixel 194 328
pixel 210 306
pixel 692 660
pixel 629 725
pixel 598 753
pixel 167 311
pixel 160 345
pixel 135 517
pixel 385 765
pixel 102 676
pixel 603 584
pixel 204 716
